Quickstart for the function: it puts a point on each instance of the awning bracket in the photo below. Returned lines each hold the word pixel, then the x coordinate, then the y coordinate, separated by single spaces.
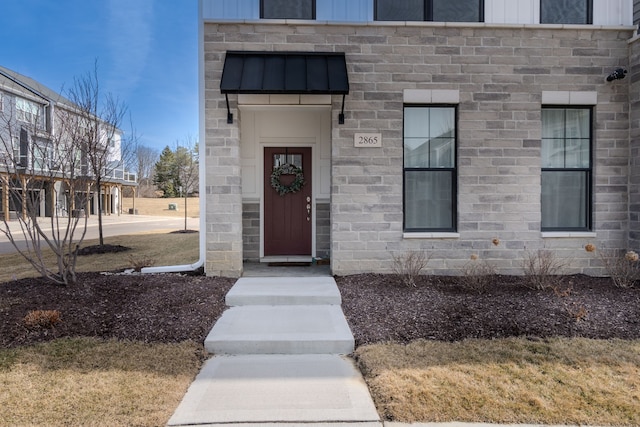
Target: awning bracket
pixel 229 114
pixel 341 115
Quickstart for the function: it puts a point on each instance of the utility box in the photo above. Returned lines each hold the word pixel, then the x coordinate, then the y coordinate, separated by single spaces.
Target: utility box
pixel 173 206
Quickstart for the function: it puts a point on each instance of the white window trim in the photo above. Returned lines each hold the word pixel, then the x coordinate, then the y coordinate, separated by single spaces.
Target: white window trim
pixel 434 235
pixel 566 97
pixel 431 96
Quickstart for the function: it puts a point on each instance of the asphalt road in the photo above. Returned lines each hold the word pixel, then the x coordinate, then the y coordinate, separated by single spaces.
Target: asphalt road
pixel 113 225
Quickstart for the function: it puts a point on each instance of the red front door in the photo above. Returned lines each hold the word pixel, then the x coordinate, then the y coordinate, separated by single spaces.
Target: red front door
pixel 287 217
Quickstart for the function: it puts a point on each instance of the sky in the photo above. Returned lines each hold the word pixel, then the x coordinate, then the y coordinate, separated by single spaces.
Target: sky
pixel 146 53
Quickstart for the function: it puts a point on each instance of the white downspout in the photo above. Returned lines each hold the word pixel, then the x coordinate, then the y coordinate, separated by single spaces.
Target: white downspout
pixel 201 166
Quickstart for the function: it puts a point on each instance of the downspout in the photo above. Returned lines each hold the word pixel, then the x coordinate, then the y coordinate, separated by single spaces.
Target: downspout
pixel 201 166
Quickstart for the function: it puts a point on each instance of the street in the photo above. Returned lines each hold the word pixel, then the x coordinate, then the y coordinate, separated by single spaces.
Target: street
pixel 113 225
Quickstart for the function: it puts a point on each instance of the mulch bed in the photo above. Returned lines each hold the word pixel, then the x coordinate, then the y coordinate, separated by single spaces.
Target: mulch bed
pixel 176 307
pixel 439 308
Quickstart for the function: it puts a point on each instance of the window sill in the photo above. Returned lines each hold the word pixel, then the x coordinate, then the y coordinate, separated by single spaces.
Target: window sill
pixel 567 234
pixel 436 235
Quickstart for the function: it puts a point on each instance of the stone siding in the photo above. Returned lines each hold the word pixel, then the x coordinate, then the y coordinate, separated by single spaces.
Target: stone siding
pixel 251 232
pixel 634 136
pixel 500 74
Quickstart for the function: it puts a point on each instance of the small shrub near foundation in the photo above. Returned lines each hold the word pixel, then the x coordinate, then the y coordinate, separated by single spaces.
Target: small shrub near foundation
pixel 477 275
pixel 42 319
pixel 542 269
pixel 622 266
pixel 409 266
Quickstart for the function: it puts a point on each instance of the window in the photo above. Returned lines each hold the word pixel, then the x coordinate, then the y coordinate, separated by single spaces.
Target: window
pixel 288 9
pixel 430 10
pixel 566 169
pixel 430 177
pixel 566 11
pixel 27 111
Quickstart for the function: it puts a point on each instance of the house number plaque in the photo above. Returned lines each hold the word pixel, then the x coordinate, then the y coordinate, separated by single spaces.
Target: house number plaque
pixel 363 140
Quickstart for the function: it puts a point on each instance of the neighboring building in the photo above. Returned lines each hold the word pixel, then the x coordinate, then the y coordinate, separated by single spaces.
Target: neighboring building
pixel 30 120
pixel 432 125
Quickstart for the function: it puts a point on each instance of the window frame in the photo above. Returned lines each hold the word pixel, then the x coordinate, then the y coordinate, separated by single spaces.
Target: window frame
pixel 313 11
pixel 453 170
pixel 589 171
pixel 589 14
pixel 428 12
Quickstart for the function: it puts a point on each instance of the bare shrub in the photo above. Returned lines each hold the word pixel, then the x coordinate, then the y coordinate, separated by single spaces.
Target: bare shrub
pixel 576 312
pixel 542 269
pixel 477 274
pixel 45 319
pixel 409 265
pixel 138 263
pixel 622 266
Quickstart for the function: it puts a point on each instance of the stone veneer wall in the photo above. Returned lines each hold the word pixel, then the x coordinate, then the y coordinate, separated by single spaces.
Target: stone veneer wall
pixel 323 230
pixel 634 136
pixel 251 232
pixel 500 73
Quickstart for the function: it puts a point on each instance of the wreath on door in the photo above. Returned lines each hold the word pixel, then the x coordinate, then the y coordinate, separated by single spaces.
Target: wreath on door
pixel 287 169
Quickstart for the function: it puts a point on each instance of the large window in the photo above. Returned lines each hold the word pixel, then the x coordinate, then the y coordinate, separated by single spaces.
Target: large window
pixel 28 111
pixel 566 11
pixel 430 10
pixel 429 168
pixel 566 169
pixel 288 9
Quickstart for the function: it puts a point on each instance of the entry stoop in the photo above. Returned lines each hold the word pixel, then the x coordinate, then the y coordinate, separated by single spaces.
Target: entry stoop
pixel 284 291
pixel 300 329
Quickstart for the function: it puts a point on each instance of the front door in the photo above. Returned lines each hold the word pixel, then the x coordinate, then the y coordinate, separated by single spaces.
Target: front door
pixel 287 201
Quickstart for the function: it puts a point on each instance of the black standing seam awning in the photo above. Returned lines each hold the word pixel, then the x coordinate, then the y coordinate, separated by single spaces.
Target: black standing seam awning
pixel 295 73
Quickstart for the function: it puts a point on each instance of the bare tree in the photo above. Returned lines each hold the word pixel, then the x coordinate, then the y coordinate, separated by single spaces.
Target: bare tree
pixel 186 157
pixel 146 158
pixel 104 148
pixel 40 170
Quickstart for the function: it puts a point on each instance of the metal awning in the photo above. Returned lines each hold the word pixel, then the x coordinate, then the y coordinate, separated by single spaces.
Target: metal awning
pixel 295 73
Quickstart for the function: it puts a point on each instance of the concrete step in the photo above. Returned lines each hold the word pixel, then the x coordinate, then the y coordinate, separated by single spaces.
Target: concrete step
pixel 265 389
pixel 299 329
pixel 284 291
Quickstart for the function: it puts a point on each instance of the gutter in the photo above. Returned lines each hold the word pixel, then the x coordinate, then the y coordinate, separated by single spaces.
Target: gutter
pixel 201 167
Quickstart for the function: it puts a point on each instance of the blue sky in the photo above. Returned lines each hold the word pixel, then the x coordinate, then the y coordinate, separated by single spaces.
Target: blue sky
pixel 147 54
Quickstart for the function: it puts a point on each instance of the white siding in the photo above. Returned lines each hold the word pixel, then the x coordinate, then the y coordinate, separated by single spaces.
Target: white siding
pixel 613 12
pixel 230 9
pixel 344 10
pixel 605 12
pixel 512 11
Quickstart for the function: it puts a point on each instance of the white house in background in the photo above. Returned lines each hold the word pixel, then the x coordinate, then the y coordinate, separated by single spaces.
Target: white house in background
pixel 361 130
pixel 29 121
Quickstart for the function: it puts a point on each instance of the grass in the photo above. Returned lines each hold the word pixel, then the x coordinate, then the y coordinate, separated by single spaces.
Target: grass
pixel 91 382
pixel 160 206
pixel 162 249
pixel 557 381
pixel 87 381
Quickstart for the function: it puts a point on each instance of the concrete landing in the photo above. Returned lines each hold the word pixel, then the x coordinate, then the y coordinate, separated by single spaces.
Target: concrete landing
pixel 284 291
pixel 277 389
pixel 300 329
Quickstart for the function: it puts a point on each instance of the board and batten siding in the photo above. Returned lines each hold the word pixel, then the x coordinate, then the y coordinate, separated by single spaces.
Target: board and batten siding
pixel 605 12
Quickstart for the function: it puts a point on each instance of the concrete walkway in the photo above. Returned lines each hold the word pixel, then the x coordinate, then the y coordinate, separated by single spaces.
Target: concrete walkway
pixel 279 359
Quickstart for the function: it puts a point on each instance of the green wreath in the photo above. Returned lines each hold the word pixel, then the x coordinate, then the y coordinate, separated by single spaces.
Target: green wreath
pixel 287 169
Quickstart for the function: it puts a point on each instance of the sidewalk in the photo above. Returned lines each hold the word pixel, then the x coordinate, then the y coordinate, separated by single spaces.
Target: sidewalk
pixel 279 360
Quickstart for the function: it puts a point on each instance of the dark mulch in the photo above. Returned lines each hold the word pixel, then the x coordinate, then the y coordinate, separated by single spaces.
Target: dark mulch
pixel 173 307
pixel 148 308
pixel 102 249
pixel 438 308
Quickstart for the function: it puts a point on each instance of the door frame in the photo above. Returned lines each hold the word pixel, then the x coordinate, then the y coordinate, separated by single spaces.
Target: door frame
pixel 289 144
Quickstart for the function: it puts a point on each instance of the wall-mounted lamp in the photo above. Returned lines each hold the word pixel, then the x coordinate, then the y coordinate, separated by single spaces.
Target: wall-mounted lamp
pixel 617 74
